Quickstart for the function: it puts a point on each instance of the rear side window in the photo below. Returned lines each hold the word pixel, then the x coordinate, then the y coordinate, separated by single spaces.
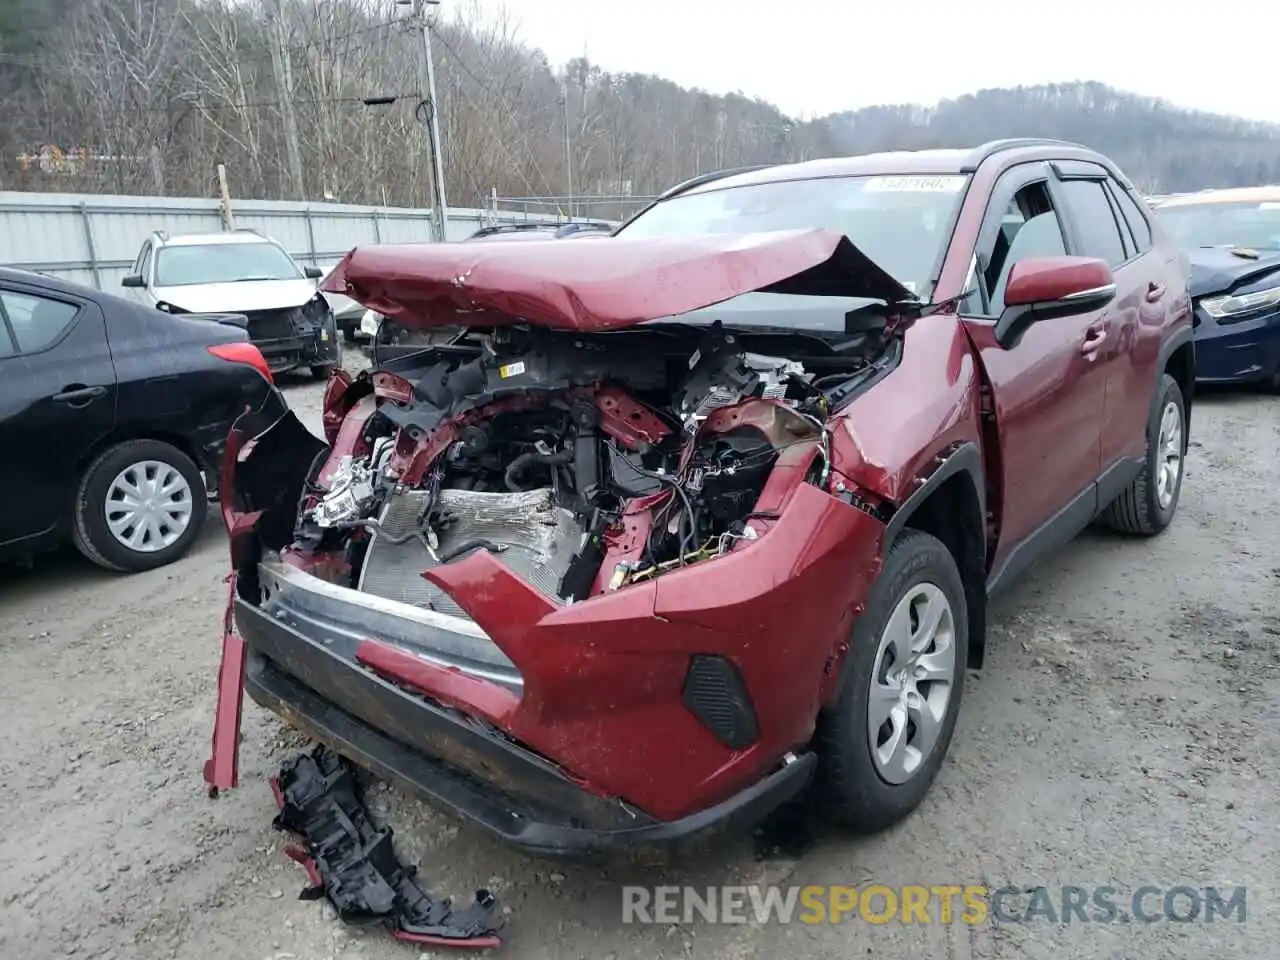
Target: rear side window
pixel 35 322
pixel 1138 225
pixel 1095 221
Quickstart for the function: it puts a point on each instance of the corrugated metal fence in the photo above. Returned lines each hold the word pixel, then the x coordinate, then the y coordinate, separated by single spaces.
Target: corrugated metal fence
pixel 94 239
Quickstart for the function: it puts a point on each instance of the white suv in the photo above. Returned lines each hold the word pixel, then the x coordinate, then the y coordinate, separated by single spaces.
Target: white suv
pixel 246 273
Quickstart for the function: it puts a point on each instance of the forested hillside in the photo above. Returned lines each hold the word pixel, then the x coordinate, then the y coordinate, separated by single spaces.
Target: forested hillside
pixel 147 96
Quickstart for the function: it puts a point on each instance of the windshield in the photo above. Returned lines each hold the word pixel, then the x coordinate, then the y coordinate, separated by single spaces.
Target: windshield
pixel 900 222
pixel 180 266
pixel 1252 225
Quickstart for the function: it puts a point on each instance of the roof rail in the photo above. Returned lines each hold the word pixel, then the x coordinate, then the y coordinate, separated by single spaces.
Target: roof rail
pixel 253 230
pixel 988 150
pixel 710 177
pixel 581 226
pixel 512 228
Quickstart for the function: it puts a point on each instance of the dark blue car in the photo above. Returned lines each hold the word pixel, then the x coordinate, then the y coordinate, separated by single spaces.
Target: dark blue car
pixel 1232 238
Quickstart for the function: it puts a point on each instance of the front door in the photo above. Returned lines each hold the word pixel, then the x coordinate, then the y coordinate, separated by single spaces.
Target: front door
pixel 1048 390
pixel 57 400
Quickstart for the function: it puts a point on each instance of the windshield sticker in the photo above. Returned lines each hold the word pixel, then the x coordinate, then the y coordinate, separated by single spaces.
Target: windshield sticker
pixel 915 184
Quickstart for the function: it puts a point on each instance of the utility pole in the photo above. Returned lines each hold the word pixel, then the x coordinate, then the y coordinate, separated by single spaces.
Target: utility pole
pixel 431 119
pixel 568 147
pixel 284 83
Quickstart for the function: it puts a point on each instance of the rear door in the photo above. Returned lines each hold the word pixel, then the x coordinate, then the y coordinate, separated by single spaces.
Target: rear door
pixel 1047 392
pixel 1098 227
pixel 57 399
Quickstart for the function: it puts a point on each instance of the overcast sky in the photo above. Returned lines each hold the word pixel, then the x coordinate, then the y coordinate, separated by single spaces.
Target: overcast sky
pixel 812 57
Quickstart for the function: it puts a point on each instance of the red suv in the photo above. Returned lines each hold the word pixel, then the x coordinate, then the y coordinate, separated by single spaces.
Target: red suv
pixel 709 511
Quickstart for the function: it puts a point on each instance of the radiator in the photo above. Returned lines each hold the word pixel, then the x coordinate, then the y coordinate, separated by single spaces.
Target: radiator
pixel 541 539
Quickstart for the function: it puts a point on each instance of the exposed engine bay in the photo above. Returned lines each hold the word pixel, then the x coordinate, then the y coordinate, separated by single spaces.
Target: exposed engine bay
pixel 588 462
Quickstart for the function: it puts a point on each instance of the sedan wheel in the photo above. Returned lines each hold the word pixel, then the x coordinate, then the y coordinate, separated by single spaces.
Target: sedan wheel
pixel 883 739
pixel 149 506
pixel 140 505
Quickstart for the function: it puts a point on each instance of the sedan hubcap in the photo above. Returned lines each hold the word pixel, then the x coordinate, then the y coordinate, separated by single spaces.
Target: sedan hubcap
pixel 149 506
pixel 1168 455
pixel 911 683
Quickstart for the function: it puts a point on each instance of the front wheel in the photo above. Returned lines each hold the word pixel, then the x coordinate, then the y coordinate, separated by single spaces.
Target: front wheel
pixel 1148 505
pixel 139 505
pixel 883 740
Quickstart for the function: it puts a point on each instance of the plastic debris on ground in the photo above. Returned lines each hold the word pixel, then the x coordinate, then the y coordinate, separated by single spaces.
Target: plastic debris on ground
pixel 352 863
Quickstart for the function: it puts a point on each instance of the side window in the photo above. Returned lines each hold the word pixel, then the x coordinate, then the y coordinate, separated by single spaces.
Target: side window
pixel 1091 211
pixel 1029 228
pixel 8 347
pixel 1133 216
pixel 36 322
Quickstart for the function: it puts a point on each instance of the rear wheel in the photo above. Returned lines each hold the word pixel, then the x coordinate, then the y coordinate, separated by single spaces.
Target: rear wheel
pixel 140 505
pixel 883 740
pixel 321 371
pixel 1148 505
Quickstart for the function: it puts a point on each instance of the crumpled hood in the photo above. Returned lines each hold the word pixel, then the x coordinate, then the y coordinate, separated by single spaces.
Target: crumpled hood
pixel 601 286
pixel 238 297
pixel 1217 270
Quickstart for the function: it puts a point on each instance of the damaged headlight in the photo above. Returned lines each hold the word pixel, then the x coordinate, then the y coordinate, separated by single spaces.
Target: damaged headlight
pixel 1240 306
pixel 317 313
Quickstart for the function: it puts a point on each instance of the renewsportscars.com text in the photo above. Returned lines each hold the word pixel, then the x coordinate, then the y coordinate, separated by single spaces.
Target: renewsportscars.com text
pixel 969 904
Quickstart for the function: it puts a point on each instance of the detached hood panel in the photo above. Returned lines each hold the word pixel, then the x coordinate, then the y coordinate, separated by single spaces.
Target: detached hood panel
pixel 601 286
pixel 1215 270
pixel 237 297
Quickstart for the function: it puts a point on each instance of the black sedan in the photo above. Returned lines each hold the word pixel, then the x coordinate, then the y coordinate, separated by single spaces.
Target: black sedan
pixel 113 418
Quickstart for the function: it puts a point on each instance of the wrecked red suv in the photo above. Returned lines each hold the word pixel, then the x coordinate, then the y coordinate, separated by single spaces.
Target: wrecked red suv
pixel 692 517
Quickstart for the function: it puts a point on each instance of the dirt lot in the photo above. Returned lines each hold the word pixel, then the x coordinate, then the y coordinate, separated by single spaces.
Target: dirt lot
pixel 1126 731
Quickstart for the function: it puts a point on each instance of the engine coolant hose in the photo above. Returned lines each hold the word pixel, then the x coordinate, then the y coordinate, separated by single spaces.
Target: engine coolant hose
pixel 526 460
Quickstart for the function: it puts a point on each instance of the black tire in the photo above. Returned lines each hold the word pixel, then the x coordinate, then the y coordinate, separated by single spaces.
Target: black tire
pixel 348 334
pixel 852 790
pixel 321 371
pixel 1138 509
pixel 89 529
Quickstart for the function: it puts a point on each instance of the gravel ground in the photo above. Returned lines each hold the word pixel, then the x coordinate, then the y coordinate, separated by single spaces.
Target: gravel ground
pixel 1124 732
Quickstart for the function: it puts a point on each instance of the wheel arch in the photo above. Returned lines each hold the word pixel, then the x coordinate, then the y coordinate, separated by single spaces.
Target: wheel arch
pixel 117 437
pixel 950 504
pixel 1178 359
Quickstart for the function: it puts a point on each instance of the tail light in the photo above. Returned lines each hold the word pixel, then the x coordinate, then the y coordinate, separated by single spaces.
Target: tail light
pixel 244 353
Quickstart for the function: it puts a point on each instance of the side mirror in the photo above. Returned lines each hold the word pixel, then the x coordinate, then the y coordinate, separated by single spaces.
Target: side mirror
pixel 1044 288
pixel 313 273
pixel 134 280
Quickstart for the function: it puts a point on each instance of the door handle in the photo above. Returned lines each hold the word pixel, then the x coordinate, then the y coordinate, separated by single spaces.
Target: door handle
pixel 1154 292
pixel 1094 336
pixel 77 395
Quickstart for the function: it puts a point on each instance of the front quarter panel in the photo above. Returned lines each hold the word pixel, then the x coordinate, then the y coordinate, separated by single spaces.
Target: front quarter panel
pixel 888 440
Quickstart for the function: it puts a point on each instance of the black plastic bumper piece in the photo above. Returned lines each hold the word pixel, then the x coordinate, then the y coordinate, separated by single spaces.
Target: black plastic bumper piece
pixel 355 864
pixel 462 767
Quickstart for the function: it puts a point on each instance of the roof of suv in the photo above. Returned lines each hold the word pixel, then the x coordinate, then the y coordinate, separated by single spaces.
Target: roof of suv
pixel 944 162
pixel 204 239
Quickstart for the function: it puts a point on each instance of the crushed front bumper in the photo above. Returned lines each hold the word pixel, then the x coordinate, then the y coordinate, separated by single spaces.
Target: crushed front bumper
pixel 637 716
pixel 302 665
pixel 310 350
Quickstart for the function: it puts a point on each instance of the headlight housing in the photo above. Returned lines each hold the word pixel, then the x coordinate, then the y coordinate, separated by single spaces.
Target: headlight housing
pixel 1237 307
pixel 317 310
